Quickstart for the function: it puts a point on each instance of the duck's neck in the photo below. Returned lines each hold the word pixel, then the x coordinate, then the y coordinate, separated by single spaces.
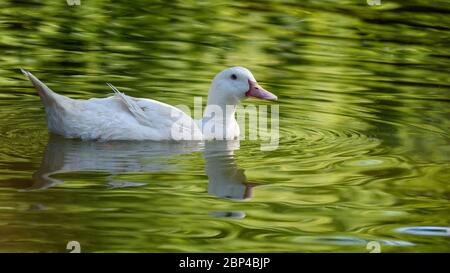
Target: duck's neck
pixel 223 104
pixel 220 112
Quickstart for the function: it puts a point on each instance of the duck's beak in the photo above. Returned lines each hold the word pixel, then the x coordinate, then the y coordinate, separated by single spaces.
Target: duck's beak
pixel 255 90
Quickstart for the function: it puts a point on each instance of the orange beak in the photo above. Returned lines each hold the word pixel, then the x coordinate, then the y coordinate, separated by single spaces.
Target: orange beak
pixel 256 91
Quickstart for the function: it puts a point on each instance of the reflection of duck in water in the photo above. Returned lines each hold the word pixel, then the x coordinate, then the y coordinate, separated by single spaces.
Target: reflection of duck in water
pixel 225 179
pixel 69 155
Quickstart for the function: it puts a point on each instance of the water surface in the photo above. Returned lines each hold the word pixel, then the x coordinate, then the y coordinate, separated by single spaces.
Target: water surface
pixel 364 152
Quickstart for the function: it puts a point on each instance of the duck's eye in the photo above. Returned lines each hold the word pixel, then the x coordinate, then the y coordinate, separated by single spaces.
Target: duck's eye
pixel 233 76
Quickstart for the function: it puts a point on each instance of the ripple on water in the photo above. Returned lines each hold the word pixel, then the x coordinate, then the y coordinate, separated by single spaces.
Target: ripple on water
pixel 346 240
pixel 317 148
pixel 23 131
pixel 378 166
pixel 425 230
pixel 229 214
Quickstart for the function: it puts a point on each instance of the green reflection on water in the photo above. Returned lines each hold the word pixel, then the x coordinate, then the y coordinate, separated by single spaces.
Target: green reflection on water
pixel 364 124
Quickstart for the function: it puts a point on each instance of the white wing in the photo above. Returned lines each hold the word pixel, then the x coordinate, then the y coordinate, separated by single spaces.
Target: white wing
pixel 169 121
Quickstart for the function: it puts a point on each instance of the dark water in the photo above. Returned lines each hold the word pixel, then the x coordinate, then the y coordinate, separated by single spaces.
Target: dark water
pixel 364 149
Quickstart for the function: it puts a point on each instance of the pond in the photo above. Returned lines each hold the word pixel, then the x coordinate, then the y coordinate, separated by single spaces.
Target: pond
pixel 364 118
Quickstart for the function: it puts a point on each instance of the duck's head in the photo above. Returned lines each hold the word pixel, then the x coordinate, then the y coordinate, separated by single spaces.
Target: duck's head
pixel 238 83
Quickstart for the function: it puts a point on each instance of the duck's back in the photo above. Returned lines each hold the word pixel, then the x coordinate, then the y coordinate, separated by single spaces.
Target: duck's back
pixel 102 119
pixel 118 117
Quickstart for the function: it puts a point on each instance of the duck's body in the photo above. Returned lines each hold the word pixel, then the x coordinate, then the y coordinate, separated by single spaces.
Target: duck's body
pixel 111 119
pixel 121 117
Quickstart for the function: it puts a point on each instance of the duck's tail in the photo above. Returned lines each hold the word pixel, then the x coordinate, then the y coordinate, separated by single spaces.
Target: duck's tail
pixel 48 97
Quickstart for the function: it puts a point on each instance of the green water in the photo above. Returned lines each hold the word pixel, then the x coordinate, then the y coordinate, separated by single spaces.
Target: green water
pixel 364 152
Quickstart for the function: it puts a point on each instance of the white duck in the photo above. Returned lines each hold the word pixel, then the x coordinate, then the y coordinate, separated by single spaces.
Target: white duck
pixel 121 117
